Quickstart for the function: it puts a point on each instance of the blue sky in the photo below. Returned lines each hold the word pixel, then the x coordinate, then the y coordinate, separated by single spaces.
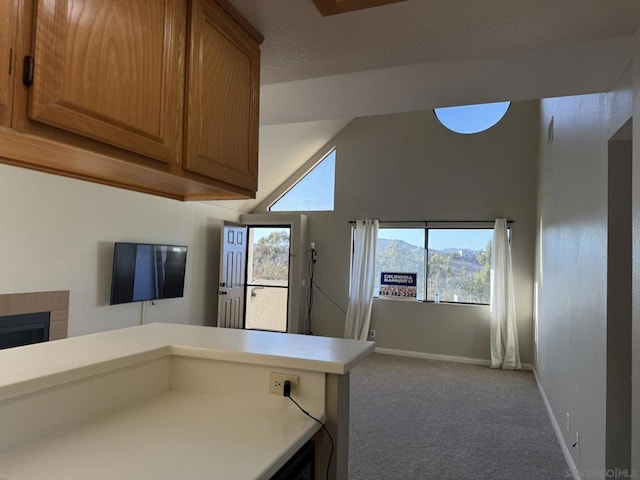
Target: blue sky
pixel 314 192
pixel 472 118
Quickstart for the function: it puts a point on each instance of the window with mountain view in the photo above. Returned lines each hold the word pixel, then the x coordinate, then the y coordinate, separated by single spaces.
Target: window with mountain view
pixel 453 265
pixel 460 265
pixel 313 192
pixel 401 250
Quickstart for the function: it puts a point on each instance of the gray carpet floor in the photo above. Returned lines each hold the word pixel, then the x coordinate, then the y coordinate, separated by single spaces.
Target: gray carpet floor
pixel 423 419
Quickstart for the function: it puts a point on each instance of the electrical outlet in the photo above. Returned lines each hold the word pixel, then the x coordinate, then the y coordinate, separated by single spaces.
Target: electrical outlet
pixel 568 423
pixel 372 333
pixel 276 383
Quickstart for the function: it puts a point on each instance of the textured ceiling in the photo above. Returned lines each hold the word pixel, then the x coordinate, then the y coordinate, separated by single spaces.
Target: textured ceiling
pixel 300 43
pixel 318 73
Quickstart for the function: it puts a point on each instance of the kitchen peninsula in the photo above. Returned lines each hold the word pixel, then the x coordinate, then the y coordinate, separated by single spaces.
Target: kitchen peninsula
pixel 171 401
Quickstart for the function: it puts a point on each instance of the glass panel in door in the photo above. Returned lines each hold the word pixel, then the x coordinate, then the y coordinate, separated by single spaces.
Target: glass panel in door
pixel 267 295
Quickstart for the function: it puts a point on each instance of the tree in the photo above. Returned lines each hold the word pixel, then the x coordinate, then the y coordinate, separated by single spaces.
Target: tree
pixel 460 277
pixel 271 257
pixel 476 287
pixel 440 274
pixel 399 256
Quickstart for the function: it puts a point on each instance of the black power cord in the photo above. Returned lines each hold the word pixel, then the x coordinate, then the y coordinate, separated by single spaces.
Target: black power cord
pixel 312 266
pixel 286 391
pixel 329 298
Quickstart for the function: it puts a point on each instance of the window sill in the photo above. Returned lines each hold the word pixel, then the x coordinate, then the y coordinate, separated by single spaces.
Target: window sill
pixel 432 302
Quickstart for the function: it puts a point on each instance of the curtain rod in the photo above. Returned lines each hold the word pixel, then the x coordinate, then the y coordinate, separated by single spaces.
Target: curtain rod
pixel 426 222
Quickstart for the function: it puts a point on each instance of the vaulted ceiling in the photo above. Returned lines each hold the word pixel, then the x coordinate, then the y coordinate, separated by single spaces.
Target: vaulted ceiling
pixel 320 72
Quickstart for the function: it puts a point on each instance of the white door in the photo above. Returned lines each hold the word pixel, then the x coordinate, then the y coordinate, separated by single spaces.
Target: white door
pixel 231 289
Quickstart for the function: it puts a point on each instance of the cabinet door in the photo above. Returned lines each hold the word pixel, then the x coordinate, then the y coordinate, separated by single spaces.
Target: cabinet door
pixel 222 99
pixel 7 54
pixel 112 71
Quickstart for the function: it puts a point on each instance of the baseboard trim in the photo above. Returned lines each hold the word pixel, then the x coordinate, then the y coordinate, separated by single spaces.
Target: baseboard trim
pixel 558 431
pixel 433 356
pixel 442 358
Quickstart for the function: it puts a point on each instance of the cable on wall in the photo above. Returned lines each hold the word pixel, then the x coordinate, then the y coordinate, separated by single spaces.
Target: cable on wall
pixel 312 266
pixel 329 298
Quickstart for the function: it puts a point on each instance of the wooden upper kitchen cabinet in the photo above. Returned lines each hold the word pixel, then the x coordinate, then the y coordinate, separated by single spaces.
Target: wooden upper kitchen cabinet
pixel 112 71
pixel 7 58
pixel 158 96
pixel 222 96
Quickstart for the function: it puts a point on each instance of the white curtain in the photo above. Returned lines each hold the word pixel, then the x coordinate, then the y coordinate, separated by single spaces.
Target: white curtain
pixel 504 332
pixel 363 269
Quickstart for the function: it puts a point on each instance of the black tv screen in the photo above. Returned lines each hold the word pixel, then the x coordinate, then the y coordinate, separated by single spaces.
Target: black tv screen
pixel 143 271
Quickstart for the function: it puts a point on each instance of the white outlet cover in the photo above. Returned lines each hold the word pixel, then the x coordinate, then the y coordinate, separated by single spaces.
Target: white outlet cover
pixel 276 383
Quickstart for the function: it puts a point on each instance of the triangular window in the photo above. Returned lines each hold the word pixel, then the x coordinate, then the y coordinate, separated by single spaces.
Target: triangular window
pixel 313 192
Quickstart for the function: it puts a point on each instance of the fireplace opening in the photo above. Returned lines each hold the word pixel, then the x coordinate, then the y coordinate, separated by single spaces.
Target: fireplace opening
pixel 18 330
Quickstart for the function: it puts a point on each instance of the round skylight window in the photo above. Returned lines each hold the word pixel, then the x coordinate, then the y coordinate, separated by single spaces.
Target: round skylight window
pixel 469 119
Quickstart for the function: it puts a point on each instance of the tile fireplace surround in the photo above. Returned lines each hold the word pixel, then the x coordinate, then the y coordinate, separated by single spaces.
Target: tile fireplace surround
pixel 55 302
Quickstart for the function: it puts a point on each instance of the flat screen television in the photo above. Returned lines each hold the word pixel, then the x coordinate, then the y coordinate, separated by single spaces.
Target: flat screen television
pixel 143 271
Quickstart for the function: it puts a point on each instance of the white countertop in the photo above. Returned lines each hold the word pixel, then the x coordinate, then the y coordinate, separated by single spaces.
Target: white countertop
pixel 171 436
pixel 140 403
pixel 33 367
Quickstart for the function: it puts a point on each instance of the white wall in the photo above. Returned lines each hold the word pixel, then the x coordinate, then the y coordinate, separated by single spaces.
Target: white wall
pixel 571 271
pixel 57 233
pixel 409 167
pixel 635 347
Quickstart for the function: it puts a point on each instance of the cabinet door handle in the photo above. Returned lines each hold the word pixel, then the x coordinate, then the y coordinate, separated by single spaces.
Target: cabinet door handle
pixel 27 73
pixel 10 61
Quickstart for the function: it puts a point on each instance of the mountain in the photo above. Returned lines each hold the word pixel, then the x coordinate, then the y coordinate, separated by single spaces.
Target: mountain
pixel 460 258
pixel 457 274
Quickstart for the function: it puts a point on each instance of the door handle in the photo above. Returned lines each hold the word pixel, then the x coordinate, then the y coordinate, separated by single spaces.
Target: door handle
pixel 253 291
pixel 221 292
